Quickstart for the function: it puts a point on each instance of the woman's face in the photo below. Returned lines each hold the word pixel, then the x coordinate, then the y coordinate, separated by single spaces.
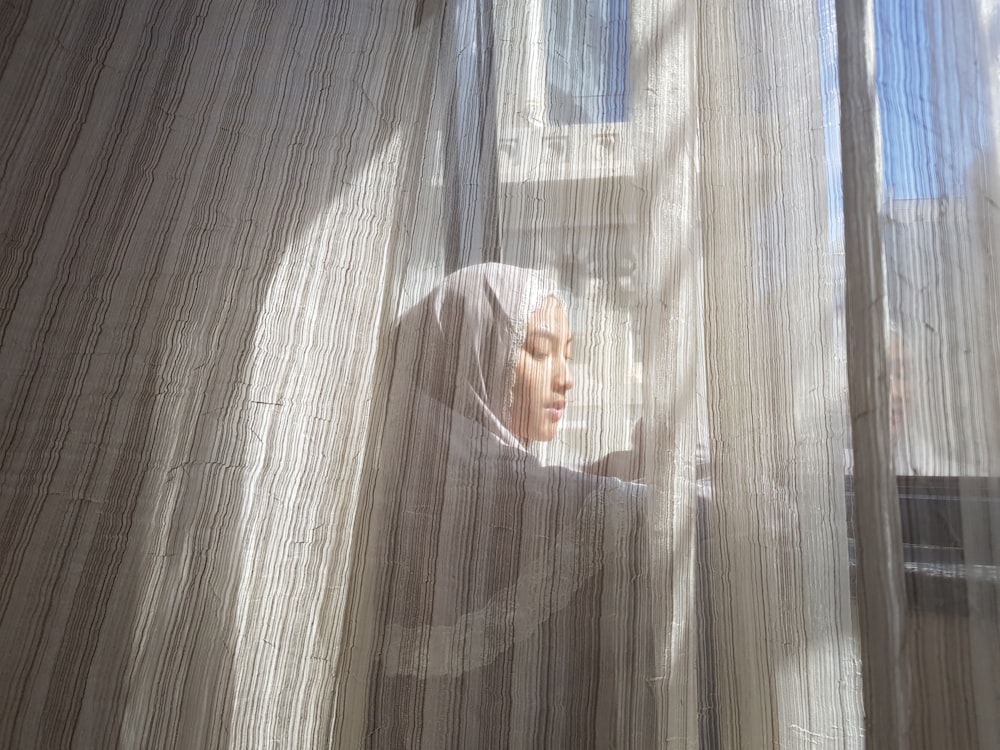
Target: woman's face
pixel 541 374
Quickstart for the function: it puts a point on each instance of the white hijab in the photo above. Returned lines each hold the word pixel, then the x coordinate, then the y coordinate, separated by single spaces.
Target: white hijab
pixel 467 333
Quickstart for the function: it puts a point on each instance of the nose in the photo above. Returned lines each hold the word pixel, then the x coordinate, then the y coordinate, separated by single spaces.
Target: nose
pixel 563 378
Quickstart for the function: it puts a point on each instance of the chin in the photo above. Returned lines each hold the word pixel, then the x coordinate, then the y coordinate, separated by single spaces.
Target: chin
pixel 545 436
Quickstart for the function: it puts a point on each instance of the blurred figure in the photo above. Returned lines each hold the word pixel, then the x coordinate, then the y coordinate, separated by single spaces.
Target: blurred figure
pixel 499 599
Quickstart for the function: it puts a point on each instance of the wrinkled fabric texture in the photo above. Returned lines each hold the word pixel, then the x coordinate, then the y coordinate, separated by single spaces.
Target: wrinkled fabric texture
pixel 504 594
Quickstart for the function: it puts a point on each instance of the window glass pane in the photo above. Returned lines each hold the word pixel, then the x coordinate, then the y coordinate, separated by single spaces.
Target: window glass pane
pixel 587 60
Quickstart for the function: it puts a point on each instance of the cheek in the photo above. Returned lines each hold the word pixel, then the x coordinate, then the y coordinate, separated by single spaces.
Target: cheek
pixel 528 393
pixel 519 390
pixel 533 378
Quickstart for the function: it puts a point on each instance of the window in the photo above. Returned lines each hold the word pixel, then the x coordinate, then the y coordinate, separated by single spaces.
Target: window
pixel 586 65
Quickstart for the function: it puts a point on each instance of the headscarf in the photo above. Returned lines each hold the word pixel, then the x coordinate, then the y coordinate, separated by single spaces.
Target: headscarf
pixel 466 335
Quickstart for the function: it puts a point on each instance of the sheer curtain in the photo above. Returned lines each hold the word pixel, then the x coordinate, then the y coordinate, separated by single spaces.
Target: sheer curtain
pixel 772 225
pixel 785 666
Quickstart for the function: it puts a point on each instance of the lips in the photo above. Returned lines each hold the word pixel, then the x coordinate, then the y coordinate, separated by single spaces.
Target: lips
pixel 555 410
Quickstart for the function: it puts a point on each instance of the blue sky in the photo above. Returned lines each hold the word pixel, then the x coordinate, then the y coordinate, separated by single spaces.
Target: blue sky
pixel 932 105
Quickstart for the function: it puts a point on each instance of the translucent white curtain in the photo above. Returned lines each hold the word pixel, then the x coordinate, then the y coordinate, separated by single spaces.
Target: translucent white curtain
pixel 606 209
pixel 918 84
pixel 605 199
pixel 315 377
pixel 784 663
pixel 216 217
pixel 203 210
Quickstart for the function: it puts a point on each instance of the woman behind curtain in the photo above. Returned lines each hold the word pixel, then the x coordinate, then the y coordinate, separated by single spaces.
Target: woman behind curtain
pixel 497 599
